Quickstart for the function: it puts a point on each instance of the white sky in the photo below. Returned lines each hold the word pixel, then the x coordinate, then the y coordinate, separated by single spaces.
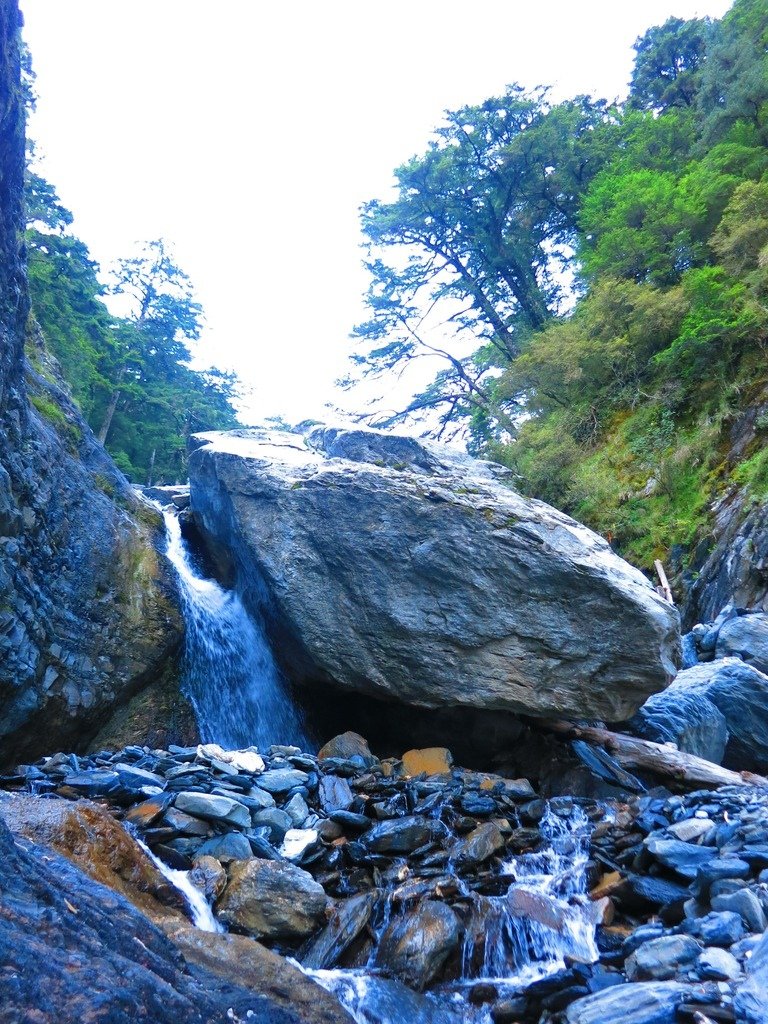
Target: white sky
pixel 248 132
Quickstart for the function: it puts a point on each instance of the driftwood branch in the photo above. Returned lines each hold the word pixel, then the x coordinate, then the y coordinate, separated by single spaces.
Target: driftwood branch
pixel 666 590
pixel 659 758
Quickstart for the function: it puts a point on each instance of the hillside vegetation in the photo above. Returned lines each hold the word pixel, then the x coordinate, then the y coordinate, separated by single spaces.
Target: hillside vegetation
pixel 612 262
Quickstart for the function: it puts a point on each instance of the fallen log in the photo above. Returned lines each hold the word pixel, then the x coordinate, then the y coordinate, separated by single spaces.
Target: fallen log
pixel 660 758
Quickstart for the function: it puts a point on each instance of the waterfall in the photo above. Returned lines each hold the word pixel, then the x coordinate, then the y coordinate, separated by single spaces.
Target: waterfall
pixel 228 671
pixel 545 915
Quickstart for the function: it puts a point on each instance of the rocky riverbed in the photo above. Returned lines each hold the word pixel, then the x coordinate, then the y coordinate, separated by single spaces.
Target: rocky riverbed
pixel 416 890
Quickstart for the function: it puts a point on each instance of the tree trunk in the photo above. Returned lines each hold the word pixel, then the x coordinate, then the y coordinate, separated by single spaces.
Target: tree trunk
pixel 662 759
pixel 102 435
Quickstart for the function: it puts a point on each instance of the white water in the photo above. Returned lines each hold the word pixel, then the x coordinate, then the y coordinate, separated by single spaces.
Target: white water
pixel 545 915
pixel 228 671
pixel 199 908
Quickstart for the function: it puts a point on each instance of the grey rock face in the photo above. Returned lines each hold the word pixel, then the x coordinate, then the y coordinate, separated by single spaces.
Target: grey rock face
pixel 86 613
pixel 740 694
pixel 746 637
pixel 408 572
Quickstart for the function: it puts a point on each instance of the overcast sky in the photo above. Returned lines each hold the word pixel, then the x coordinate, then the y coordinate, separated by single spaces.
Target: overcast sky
pixel 247 133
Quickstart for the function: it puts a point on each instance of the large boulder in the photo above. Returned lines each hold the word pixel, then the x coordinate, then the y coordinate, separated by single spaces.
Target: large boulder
pixel 745 637
pixel 272 899
pixel 738 692
pixel 408 572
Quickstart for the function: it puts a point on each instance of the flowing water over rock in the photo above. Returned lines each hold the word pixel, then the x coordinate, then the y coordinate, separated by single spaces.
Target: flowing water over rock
pixel 199 908
pixel 228 671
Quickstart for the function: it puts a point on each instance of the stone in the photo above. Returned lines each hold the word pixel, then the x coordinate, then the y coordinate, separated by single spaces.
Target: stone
pixel 751 999
pixel 297 810
pixel 745 637
pixel 404 615
pixel 661 959
pixel 740 693
pixel 231 846
pixel 416 946
pixel 214 808
pixel 297 841
pixel 77 951
pixel 481 843
pixel 185 823
pixel 399 835
pixel 685 859
pixel 745 903
pixel 347 920
pixel 271 900
pixel 645 1002
pixel 282 780
pixel 649 891
pixel 718 965
pixel 347 745
pixel 238 959
pixel 351 822
pixel 148 811
pixel 133 778
pixel 721 928
pixel 249 761
pixel 690 721
pixel 428 761
pixel 690 829
pixel 278 822
pixel 209 877
pixel 334 794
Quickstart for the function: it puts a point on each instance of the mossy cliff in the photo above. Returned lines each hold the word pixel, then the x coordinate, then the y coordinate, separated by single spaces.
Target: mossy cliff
pixel 88 614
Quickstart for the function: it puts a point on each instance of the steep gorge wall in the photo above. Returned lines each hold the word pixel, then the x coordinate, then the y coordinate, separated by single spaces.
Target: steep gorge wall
pixel 88 612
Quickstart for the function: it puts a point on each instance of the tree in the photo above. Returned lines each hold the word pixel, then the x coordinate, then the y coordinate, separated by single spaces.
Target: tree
pixel 164 315
pixel 475 247
pixel 668 64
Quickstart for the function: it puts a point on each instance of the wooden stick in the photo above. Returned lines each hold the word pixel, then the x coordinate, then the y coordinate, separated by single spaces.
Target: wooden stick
pixel 660 758
pixel 665 587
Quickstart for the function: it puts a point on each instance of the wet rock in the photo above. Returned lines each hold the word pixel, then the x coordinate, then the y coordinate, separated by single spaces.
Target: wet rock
pixel 414 552
pixel 745 637
pixel 661 959
pixel 209 877
pixel 346 746
pixel 415 947
pixel 243 961
pixel 297 841
pixel 685 859
pixel 479 845
pixel 751 999
pixel 277 821
pixel 282 780
pixel 148 811
pixel 351 822
pixel 745 903
pixel 73 950
pixel 347 920
pixel 649 891
pixel 214 808
pixel 740 693
pixel 335 794
pixel 297 810
pixel 182 822
pixel 428 761
pixel 718 965
pixel 231 846
pixel 645 1002
pixel 271 899
pixel 399 835
pixel 717 929
pixel 688 720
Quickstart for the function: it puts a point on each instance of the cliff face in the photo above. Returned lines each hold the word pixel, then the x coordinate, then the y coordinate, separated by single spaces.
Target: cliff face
pixel 87 612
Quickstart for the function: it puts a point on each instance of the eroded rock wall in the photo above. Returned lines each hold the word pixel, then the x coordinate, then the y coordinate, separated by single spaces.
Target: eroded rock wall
pixel 87 609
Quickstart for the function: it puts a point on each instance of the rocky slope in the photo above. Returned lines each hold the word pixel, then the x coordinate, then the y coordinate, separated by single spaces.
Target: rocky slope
pixel 87 612
pixel 409 573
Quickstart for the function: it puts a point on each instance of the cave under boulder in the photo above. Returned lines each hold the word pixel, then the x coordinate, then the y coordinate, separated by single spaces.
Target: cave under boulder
pixel 412 573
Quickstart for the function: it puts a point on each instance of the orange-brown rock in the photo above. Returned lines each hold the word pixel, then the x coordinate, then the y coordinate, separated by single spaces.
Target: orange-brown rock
pixel 89 836
pixel 427 761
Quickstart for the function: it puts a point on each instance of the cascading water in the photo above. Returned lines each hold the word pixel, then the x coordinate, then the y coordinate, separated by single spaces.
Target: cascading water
pixel 228 670
pixel 544 916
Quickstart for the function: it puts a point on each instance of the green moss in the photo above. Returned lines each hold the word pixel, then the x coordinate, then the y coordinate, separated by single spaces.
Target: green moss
pixel 752 473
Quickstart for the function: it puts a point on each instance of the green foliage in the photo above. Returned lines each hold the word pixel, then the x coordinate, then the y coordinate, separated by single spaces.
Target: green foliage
pixel 130 375
pixel 668 64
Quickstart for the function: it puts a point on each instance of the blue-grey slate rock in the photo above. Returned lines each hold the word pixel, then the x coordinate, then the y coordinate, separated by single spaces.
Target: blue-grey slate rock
pixel 377 554
pixel 690 721
pixel 740 694
pixel 645 1002
pixel 745 637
